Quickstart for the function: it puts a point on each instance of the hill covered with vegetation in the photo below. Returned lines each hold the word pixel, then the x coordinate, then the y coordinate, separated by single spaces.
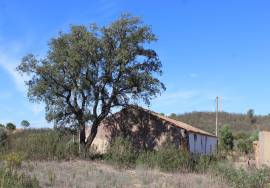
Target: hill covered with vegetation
pixel 237 122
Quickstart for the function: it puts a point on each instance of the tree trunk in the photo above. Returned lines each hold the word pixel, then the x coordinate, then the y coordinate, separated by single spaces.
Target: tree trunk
pixel 92 135
pixel 82 138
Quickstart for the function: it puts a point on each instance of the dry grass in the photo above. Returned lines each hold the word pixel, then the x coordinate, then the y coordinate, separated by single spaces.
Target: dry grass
pixel 96 174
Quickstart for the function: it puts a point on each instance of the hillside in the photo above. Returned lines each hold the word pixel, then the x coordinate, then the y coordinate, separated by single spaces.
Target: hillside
pixel 237 122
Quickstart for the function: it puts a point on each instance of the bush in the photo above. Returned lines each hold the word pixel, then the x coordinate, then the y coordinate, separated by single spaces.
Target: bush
pixel 204 162
pixel 13 160
pixel 167 158
pixel 239 178
pixel 11 179
pixel 171 159
pixel 3 136
pixel 72 148
pixel 121 152
pixel 41 144
pixel 245 146
pixel 11 126
pixel 226 138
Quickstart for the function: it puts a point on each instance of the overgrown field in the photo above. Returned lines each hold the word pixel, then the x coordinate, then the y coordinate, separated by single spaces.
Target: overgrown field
pixel 82 173
pixel 50 158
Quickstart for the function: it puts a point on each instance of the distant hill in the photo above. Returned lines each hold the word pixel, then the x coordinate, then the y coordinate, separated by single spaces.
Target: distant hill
pixel 237 122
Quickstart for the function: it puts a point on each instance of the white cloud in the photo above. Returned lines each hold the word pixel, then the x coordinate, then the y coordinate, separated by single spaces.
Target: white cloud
pixel 9 62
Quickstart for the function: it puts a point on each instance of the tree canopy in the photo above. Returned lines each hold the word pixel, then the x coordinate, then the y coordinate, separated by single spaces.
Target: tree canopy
pixel 25 123
pixel 226 138
pixel 11 126
pixel 90 70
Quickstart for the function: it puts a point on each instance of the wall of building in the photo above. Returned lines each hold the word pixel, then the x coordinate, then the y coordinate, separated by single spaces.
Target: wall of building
pixel 202 144
pixel 147 131
pixel 262 155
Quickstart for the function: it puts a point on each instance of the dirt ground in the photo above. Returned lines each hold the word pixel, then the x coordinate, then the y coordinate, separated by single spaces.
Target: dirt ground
pixel 80 174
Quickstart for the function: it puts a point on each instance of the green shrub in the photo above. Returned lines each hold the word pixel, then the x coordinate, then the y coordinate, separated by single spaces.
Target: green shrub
pixel 204 162
pixel 167 158
pixel 3 136
pixel 72 148
pixel 171 159
pixel 239 178
pixel 11 126
pixel 245 146
pixel 13 160
pixel 11 179
pixel 121 152
pixel 41 144
pixel 147 158
pixel 226 138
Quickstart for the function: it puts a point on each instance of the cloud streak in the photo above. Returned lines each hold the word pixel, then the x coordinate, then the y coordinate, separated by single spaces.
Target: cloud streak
pixel 9 62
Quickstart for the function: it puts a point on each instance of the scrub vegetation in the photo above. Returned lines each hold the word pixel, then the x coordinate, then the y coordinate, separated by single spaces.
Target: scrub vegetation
pixel 29 165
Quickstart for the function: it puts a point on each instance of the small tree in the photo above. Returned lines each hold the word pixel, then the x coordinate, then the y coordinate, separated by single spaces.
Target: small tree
pixel 2 125
pixel 226 138
pixel 173 115
pixel 250 115
pixel 11 126
pixel 244 145
pixel 25 123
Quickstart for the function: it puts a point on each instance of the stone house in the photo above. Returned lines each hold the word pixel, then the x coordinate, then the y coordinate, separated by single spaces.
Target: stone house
pixel 150 130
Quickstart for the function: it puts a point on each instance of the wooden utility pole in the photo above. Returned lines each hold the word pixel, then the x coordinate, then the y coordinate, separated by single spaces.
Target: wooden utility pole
pixel 217 117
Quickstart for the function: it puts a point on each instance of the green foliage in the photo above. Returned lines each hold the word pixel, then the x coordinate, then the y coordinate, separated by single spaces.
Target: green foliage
pixel 237 122
pixel 167 158
pixel 226 138
pixel 239 178
pixel 11 179
pixel 245 146
pixel 42 144
pixel 72 149
pixel 25 123
pixel 254 135
pixel 11 126
pixel 173 115
pixel 245 141
pixel 3 136
pixel 2 125
pixel 122 152
pixel 13 160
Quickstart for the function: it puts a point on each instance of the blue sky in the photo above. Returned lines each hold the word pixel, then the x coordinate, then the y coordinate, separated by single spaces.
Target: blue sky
pixel 208 49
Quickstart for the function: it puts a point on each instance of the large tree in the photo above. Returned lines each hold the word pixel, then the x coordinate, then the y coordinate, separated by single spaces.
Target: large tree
pixel 88 71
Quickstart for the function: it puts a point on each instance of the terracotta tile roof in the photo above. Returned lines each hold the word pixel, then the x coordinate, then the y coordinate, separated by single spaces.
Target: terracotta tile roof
pixel 176 123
